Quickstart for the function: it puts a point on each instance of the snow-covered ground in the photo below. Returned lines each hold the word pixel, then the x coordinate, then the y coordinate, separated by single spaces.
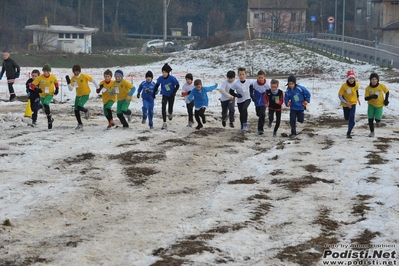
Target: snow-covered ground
pixel 214 196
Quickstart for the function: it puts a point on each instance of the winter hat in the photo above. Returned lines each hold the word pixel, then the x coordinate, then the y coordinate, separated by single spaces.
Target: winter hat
pixel 189 76
pixel 76 68
pixel 374 75
pixel 149 74
pixel 350 74
pixel 118 73
pixel 291 78
pixel 46 67
pixel 166 68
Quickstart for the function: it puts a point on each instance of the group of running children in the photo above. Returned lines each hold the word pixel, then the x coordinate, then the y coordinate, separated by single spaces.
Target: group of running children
pixel 266 95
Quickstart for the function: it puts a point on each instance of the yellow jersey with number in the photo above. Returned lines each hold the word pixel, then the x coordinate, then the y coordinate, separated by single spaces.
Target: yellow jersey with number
pixel 81 84
pixel 349 93
pixel 46 84
pixel 107 91
pixel 380 90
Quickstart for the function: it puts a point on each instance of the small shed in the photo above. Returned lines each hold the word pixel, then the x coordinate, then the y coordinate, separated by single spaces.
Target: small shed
pixel 69 39
pixel 176 31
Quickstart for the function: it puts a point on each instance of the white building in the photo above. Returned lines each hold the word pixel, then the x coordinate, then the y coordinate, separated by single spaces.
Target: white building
pixel 69 39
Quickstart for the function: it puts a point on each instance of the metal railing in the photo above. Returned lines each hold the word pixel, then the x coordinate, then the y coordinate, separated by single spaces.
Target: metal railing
pixel 307 40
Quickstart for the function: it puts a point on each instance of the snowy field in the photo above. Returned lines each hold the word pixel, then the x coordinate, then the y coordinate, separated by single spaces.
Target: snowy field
pixel 201 197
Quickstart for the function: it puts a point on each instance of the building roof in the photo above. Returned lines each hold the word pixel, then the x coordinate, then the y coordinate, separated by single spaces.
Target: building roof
pixel 62 29
pixel 279 4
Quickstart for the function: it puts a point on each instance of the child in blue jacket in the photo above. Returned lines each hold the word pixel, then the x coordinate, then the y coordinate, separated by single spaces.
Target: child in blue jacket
pixel 169 86
pixel 200 97
pixel 296 97
pixel 146 89
pixel 258 90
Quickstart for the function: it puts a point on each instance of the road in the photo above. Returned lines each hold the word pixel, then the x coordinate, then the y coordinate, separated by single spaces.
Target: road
pixel 356 48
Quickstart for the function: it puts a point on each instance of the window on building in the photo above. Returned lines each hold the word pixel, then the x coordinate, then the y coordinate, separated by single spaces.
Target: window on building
pixel 60 35
pixel 293 16
pixel 67 35
pixel 369 9
pixel 359 12
pixel 74 35
pixel 81 36
pixel 262 16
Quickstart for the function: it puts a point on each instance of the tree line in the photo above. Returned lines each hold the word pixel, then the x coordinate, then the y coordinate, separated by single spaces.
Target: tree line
pixel 142 17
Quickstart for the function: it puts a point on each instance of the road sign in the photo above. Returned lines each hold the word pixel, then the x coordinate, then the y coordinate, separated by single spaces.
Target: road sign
pixel 312 18
pixel 330 20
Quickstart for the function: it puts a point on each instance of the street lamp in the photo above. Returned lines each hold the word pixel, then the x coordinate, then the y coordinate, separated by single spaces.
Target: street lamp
pixel 335 28
pixel 343 28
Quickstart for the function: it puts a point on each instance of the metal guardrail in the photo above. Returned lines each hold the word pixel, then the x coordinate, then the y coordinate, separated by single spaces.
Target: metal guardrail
pixel 380 46
pixel 305 40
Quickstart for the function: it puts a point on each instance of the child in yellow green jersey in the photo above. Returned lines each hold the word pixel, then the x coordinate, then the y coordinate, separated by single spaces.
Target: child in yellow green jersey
pixel 374 95
pixel 47 86
pixel 124 91
pixel 108 96
pixel 80 82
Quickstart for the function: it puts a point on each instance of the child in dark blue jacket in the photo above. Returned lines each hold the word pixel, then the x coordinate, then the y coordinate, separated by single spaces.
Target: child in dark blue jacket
pixel 258 90
pixel 296 97
pixel 33 96
pixel 146 89
pixel 169 86
pixel 200 97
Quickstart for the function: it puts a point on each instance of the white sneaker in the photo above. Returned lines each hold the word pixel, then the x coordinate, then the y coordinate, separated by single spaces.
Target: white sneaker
pixel 170 116
pixel 79 127
pixel 244 128
pixel 164 125
pixel 129 118
pixel 87 115
pixel 371 134
pixel 143 121
pixel 378 124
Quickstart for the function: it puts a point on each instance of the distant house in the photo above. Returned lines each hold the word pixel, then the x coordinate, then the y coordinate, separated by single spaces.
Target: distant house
pixel 385 21
pixel 278 16
pixel 69 39
pixel 377 19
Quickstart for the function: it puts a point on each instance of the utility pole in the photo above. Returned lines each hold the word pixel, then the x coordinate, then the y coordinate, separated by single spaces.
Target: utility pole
pixel 343 28
pixel 103 14
pixel 165 17
pixel 335 18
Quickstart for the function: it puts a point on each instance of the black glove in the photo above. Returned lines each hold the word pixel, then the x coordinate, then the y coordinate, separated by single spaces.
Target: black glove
pixel 386 102
pixel 99 89
pixel 232 93
pixel 375 96
pixel 239 95
pixel 16 75
pixel 38 90
pixel 253 98
pixel 56 91
pixel 68 80
pixel 138 96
